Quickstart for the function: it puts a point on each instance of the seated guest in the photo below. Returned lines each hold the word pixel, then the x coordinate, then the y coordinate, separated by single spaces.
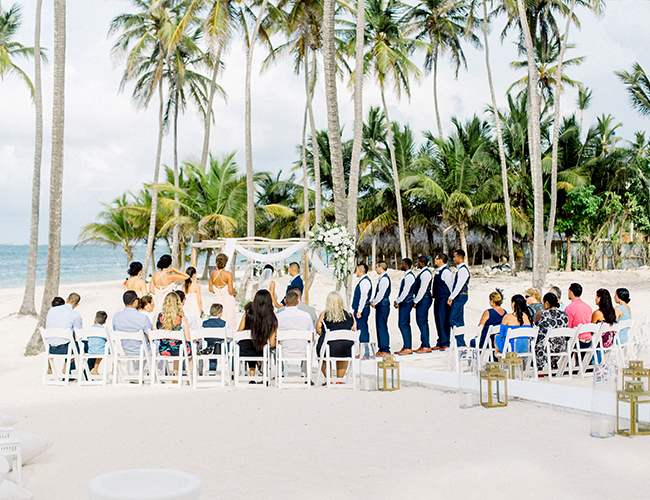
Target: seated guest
pixel 534 301
pixel 558 293
pixel 550 317
pixel 214 344
pixel 172 318
pixel 96 345
pixel 191 317
pixel 130 319
pixel 63 315
pixel 605 313
pixel 623 311
pixel 519 318
pixel 260 319
pixel 303 307
pixel 335 317
pixel 145 306
pixel 492 316
pixel 291 317
pixel 579 313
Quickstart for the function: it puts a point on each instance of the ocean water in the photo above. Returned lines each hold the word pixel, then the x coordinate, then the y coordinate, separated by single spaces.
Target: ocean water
pixel 78 265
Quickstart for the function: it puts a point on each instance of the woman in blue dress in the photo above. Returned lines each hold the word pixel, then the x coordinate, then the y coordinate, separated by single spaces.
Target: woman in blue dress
pixel 519 318
pixel 492 316
pixel 623 311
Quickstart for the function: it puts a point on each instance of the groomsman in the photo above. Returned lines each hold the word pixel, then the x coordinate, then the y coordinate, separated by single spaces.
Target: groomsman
pixel 443 283
pixel 404 305
pixel 458 297
pixel 296 280
pixel 423 302
pixel 381 303
pixel 361 302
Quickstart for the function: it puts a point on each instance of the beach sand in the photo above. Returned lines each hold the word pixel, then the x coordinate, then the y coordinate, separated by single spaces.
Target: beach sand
pixel 318 443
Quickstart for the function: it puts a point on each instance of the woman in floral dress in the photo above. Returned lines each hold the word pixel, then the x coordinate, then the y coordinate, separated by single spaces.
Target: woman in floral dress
pixel 172 318
pixel 550 317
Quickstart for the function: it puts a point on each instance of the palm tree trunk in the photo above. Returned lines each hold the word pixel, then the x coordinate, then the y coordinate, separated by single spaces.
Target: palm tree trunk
pixel 355 168
pixel 154 188
pixel 393 161
pixel 35 344
pixel 569 255
pixel 250 187
pixel 463 240
pixel 304 150
pixel 502 154
pixel 333 125
pixel 374 250
pixel 318 195
pixel 176 228
pixel 28 306
pixel 207 264
pixel 208 111
pixel 556 138
pixel 534 143
pixel 582 112
pixel 435 92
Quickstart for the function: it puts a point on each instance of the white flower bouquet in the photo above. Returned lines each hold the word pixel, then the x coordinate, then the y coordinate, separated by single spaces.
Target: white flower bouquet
pixel 336 241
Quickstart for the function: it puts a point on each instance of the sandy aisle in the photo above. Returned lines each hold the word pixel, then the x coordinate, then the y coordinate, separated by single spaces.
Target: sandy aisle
pixel 415 443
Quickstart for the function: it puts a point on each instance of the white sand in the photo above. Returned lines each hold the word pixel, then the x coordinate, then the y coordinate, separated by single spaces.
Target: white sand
pixel 415 443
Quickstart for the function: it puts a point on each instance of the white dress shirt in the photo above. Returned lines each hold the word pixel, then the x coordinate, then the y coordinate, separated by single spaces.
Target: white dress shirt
pixel 462 275
pixel 292 318
pixel 62 317
pixel 408 280
pixel 447 277
pixel 382 288
pixel 365 286
pixel 425 283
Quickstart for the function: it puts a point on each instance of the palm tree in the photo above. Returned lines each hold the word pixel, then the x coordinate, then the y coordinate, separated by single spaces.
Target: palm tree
pixel 442 24
pixel 10 21
pixel 638 88
pixel 388 59
pixel 583 101
pixel 144 41
pixel 35 344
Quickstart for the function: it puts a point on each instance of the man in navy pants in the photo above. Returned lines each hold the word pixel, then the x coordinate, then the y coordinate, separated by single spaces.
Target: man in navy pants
pixel 458 297
pixel 423 302
pixel 361 302
pixel 443 283
pixel 381 303
pixel 404 305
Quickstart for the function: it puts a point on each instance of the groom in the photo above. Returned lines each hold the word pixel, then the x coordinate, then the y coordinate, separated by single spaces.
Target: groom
pixel 296 280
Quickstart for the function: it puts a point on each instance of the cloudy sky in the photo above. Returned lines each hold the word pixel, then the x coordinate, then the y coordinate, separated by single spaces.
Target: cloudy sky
pixel 110 146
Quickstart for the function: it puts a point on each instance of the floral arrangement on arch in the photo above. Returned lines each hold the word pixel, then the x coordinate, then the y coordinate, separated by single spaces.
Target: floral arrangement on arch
pixel 338 243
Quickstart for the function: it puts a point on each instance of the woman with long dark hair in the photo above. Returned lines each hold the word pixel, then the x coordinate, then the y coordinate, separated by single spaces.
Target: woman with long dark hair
pixel 623 311
pixel 518 318
pixel 261 321
pixel 192 289
pixel 604 314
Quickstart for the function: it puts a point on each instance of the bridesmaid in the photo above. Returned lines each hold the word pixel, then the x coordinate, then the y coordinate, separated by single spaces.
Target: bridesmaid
pixel 163 281
pixel 135 282
pixel 192 289
pixel 221 284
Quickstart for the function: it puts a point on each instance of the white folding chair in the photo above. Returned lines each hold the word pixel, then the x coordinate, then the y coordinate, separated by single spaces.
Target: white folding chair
pixel 527 337
pixel 87 378
pixel 605 353
pixel 165 373
pixel 585 354
pixel 240 362
pixel 53 374
pixel 330 362
pixel 563 357
pixel 487 351
pixel 283 358
pixel 129 368
pixel 459 353
pixel 204 377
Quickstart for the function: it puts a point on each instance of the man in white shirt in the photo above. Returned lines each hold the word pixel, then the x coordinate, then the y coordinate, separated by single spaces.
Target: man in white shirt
pixel 404 305
pixel 361 302
pixel 303 307
pixel 443 283
pixel 292 318
pixel 381 303
pixel 63 316
pixel 423 301
pixel 458 297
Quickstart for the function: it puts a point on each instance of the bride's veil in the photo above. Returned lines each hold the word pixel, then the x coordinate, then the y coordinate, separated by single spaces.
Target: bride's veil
pixel 265 278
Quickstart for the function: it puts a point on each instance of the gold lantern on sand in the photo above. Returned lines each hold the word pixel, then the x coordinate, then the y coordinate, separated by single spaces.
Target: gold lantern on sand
pixel 494 386
pixel 388 373
pixel 636 373
pixel 513 365
pixel 633 410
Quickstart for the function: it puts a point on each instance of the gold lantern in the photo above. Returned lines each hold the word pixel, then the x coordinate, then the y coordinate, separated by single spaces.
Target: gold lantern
pixel 636 373
pixel 388 373
pixel 494 386
pixel 633 410
pixel 513 364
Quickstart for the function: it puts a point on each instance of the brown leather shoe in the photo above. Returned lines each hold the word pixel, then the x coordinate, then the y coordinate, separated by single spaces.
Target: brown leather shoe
pixel 424 350
pixel 381 354
pixel 404 352
pixel 436 348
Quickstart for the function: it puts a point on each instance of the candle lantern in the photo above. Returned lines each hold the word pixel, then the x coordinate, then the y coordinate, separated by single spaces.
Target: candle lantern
pixel 494 386
pixel 513 365
pixel 10 447
pixel 633 410
pixel 636 373
pixel 388 374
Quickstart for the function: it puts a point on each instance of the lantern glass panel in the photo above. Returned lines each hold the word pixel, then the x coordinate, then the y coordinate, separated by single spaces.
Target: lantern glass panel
pixel 468 380
pixel 367 366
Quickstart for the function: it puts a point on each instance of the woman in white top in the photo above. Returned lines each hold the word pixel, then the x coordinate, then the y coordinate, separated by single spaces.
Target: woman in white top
pixel 192 289
pixel 221 284
pixel 162 282
pixel 135 282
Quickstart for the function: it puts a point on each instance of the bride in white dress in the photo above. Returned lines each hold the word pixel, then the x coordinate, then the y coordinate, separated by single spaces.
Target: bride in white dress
pixel 221 284
pixel 266 283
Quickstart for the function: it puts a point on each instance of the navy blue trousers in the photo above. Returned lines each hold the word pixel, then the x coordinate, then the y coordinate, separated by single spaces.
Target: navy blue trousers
pixel 441 316
pixel 457 315
pixel 422 319
pixel 362 326
pixel 381 322
pixel 404 323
